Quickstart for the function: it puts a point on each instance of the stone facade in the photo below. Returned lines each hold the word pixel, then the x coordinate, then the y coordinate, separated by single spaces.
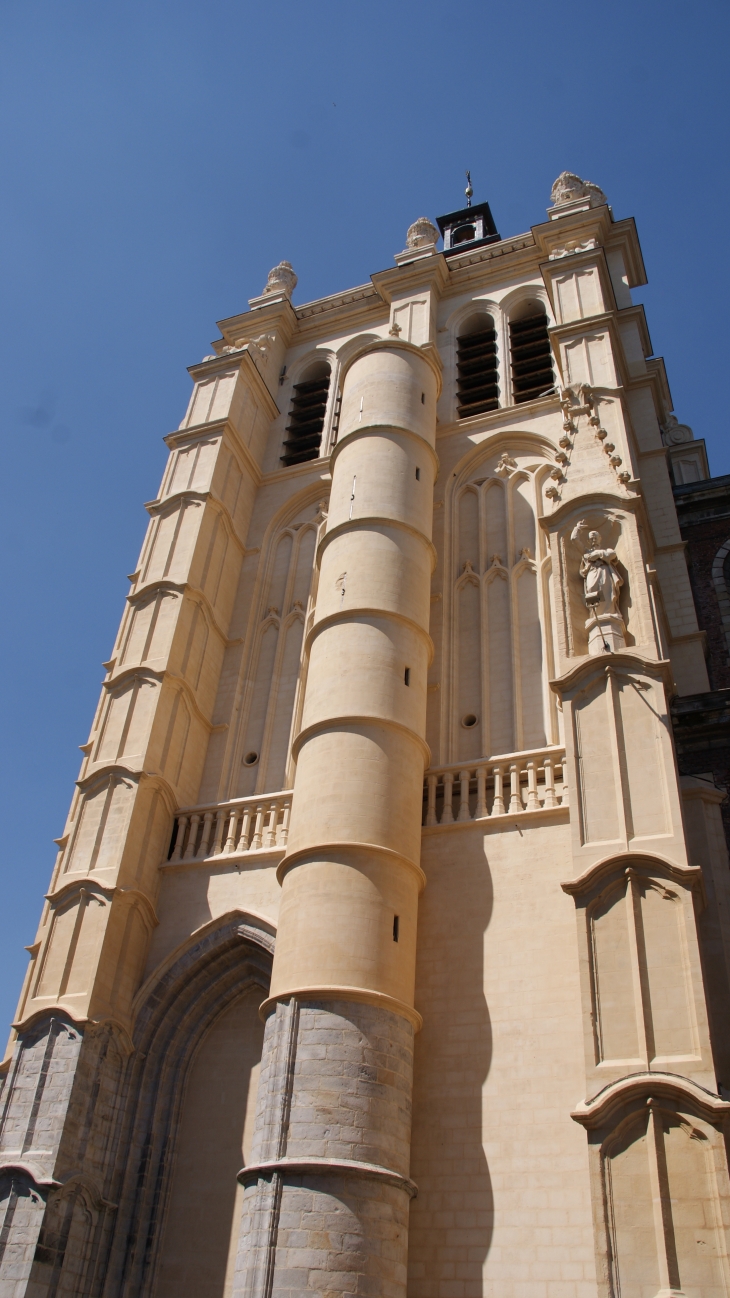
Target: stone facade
pixel 386 951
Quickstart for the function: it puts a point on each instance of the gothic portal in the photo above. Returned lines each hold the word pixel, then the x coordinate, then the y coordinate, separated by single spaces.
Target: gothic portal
pixel 386 952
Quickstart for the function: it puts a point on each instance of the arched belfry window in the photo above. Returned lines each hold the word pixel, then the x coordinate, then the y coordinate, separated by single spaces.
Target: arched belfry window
pixel 476 367
pixel 531 355
pixel 306 416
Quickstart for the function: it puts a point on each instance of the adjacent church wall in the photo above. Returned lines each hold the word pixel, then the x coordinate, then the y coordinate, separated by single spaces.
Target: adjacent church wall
pixel 502 1172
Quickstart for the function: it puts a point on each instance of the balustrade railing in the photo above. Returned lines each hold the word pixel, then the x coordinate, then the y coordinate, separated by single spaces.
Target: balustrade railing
pixel 231 828
pixel 508 785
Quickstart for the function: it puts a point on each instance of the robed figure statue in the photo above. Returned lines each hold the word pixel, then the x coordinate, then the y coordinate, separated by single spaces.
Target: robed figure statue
pixel 601 579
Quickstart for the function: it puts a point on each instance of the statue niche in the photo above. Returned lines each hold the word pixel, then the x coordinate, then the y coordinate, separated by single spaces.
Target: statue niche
pixel 602 582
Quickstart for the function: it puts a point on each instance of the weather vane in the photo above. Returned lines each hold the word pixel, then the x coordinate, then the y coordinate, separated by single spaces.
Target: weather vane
pixel 468 191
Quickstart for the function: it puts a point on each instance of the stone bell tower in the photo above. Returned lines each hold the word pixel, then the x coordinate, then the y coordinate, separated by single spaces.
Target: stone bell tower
pixel 386 952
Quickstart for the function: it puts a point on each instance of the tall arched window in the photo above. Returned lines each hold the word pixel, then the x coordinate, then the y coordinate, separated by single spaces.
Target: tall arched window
pixel 476 367
pixel 306 417
pixel 531 355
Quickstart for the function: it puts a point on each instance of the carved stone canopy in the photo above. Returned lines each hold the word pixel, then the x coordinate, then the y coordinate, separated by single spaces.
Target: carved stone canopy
pixel 569 187
pixel 282 279
pixel 422 233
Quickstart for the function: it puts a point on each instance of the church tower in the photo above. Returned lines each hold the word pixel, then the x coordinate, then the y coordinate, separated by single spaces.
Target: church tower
pixel 386 952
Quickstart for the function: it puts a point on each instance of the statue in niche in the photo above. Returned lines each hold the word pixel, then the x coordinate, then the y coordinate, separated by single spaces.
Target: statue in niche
pixel 601 579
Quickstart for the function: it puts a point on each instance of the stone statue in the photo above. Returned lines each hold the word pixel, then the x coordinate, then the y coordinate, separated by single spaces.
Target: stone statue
pixel 601 579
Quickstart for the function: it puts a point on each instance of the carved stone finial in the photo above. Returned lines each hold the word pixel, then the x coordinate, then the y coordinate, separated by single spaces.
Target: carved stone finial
pixel 395 330
pixel 674 433
pixel 568 187
pixel 422 233
pixel 281 279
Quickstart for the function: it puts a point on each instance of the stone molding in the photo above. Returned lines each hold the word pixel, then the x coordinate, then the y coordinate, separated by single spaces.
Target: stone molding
pixel 375 520
pixel 371 719
pixel 427 352
pixel 598 1111
pixel 292 858
pixel 376 430
pixel 331 992
pixel 344 1166
pixel 688 875
pixel 364 610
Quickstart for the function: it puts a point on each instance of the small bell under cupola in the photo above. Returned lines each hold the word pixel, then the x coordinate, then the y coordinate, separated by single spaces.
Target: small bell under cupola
pixel 471 227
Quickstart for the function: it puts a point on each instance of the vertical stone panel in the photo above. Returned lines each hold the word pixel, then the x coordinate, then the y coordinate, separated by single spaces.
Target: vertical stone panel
pixel 613 979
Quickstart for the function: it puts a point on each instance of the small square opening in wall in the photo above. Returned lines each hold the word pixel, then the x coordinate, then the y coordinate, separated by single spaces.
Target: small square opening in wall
pixel 407 676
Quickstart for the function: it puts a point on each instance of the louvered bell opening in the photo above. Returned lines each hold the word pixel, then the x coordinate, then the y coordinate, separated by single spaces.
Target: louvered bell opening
pixel 477 388
pixel 306 421
pixel 532 362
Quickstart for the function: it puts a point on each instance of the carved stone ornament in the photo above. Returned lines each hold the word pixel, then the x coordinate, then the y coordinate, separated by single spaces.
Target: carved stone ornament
pixel 281 279
pixel 569 187
pixel 421 234
pixel 601 585
pixel 506 465
pixel 572 247
pixel 674 433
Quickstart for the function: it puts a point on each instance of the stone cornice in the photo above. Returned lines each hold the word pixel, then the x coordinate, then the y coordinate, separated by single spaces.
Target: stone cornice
pixel 239 360
pixel 598 223
pixel 323 305
pixel 427 272
pixel 277 313
pixel 467 265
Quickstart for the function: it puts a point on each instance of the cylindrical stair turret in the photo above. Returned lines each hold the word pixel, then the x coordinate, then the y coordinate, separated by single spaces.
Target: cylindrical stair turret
pixel 333 1122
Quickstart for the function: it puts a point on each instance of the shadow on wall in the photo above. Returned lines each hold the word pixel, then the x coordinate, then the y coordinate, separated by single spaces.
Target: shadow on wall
pixel 452 1218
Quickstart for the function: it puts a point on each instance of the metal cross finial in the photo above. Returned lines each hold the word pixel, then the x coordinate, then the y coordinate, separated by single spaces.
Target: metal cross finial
pixel 468 191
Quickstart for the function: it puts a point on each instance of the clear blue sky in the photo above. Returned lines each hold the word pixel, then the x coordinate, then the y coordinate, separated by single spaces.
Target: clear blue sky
pixel 158 158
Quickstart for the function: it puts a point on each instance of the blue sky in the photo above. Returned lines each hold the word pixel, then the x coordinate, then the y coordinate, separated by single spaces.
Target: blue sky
pixel 157 159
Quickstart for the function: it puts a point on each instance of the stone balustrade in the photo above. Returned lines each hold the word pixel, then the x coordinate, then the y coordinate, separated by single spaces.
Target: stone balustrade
pixel 231 828
pixel 507 785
